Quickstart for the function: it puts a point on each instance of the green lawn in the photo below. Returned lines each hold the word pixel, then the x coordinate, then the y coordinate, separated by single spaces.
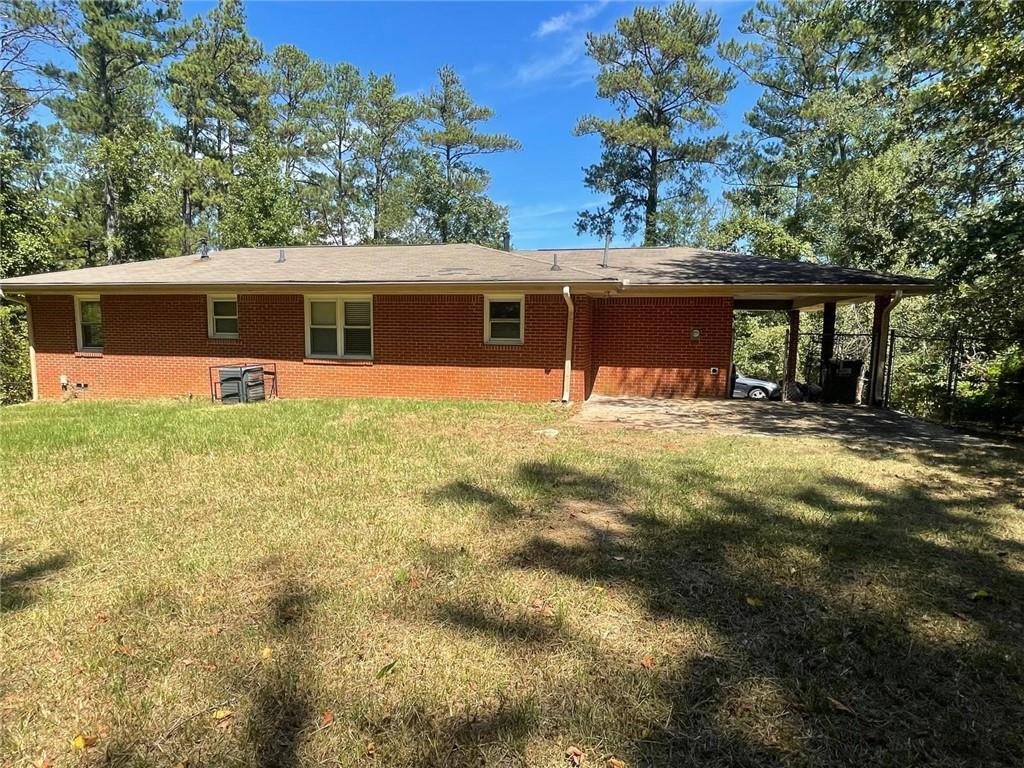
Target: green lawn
pixel 410 584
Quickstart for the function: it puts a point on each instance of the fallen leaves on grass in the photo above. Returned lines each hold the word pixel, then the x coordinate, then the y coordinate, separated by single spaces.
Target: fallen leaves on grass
pixel 326 718
pixel 574 756
pixel 981 594
pixel 267 653
pixel 81 741
pixel 387 669
pixel 614 762
pixel 754 602
pixel 838 705
pixel 44 761
pixel 223 717
pixel 647 662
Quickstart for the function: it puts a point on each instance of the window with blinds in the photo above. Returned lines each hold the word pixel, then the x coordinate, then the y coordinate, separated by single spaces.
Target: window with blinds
pixel 339 327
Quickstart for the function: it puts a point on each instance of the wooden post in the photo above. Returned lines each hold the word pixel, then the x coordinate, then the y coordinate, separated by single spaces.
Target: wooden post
pixel 828 332
pixel 828 349
pixel 792 352
pixel 879 339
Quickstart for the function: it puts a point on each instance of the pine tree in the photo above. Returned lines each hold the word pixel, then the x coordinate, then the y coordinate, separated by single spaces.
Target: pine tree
pixel 115 47
pixel 385 147
pixel 452 135
pixel 335 174
pixel 260 208
pixel 218 92
pixel 658 72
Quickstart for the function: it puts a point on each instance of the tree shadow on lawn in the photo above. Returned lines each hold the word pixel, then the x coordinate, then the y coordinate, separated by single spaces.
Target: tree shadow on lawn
pixel 19 587
pixel 278 706
pixel 874 653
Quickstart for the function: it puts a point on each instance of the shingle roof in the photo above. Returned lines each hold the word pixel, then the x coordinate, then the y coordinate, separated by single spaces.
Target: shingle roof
pixel 460 265
pixel 695 266
pixel 366 264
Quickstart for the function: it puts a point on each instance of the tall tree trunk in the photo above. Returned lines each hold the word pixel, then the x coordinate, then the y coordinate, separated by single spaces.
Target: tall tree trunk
pixel 110 223
pixel 443 225
pixel 378 199
pixel 651 204
pixel 186 220
pixel 187 212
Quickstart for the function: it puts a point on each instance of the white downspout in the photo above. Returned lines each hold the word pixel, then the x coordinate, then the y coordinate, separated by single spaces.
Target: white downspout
pixel 567 370
pixel 31 342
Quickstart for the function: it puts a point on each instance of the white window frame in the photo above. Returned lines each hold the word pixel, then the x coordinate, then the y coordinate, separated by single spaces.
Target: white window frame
pixel 339 315
pixel 488 298
pixel 79 298
pixel 211 325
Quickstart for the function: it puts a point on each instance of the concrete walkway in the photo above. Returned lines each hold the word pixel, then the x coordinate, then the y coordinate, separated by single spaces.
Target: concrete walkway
pixel 750 417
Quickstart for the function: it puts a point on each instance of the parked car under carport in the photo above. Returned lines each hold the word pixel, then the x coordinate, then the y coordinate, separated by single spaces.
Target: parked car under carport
pixel 754 389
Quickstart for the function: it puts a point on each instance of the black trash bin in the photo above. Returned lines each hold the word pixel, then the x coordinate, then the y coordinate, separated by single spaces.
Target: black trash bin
pixel 839 380
pixel 241 383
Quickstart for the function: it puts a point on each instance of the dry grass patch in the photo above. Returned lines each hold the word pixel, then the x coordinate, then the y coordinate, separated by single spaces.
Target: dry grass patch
pixel 410 584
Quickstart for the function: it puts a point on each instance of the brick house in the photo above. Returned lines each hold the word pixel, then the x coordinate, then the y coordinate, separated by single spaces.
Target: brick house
pixel 423 321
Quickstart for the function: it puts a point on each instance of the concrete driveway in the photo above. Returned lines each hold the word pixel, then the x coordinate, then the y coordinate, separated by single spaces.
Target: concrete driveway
pixel 749 417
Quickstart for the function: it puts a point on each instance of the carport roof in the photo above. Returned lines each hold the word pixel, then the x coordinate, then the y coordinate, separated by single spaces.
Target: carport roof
pixel 697 266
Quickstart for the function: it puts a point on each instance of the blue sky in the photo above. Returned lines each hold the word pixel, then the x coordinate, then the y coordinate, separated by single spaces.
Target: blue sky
pixel 526 60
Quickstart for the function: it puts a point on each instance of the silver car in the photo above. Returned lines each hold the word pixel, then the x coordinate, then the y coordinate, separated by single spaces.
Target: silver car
pixel 754 389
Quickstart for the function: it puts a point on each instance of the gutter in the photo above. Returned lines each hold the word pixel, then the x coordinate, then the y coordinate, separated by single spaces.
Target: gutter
pixel 567 370
pixel 31 341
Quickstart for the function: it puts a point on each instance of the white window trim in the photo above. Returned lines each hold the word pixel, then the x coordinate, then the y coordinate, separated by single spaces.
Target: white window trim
pixel 488 298
pixel 339 302
pixel 79 298
pixel 210 325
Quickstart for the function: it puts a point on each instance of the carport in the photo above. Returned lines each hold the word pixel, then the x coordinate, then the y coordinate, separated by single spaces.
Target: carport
pixel 827 302
pixel 741 282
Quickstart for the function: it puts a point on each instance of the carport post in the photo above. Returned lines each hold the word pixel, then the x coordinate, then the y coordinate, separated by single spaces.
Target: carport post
pixel 792 351
pixel 828 332
pixel 880 347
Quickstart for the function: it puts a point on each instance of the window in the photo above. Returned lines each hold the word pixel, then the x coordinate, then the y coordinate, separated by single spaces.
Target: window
pixel 88 324
pixel 503 319
pixel 222 316
pixel 339 326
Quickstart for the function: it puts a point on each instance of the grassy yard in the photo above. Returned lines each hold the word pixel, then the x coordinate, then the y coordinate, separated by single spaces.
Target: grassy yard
pixel 410 584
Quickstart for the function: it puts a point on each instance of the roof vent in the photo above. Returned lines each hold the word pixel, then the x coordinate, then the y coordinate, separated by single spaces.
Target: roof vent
pixel 204 249
pixel 280 256
pixel 554 263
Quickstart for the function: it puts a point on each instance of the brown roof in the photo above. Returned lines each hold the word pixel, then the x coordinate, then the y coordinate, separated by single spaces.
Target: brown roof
pixel 696 266
pixel 320 265
pixel 466 266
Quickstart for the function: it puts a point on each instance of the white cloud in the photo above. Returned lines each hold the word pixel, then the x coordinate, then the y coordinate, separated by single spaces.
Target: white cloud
pixel 564 62
pixel 569 62
pixel 569 20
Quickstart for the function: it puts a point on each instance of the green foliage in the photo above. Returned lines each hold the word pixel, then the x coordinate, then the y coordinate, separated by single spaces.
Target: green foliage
pixel 386 147
pixel 110 91
pixel 658 72
pixel 15 378
pixel 260 209
pixel 452 188
pixel 760 345
pixel 219 96
pixel 337 208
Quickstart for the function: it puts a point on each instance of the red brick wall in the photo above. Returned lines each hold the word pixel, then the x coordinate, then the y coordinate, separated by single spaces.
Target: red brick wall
pixel 424 346
pixel 642 346
pixel 427 346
